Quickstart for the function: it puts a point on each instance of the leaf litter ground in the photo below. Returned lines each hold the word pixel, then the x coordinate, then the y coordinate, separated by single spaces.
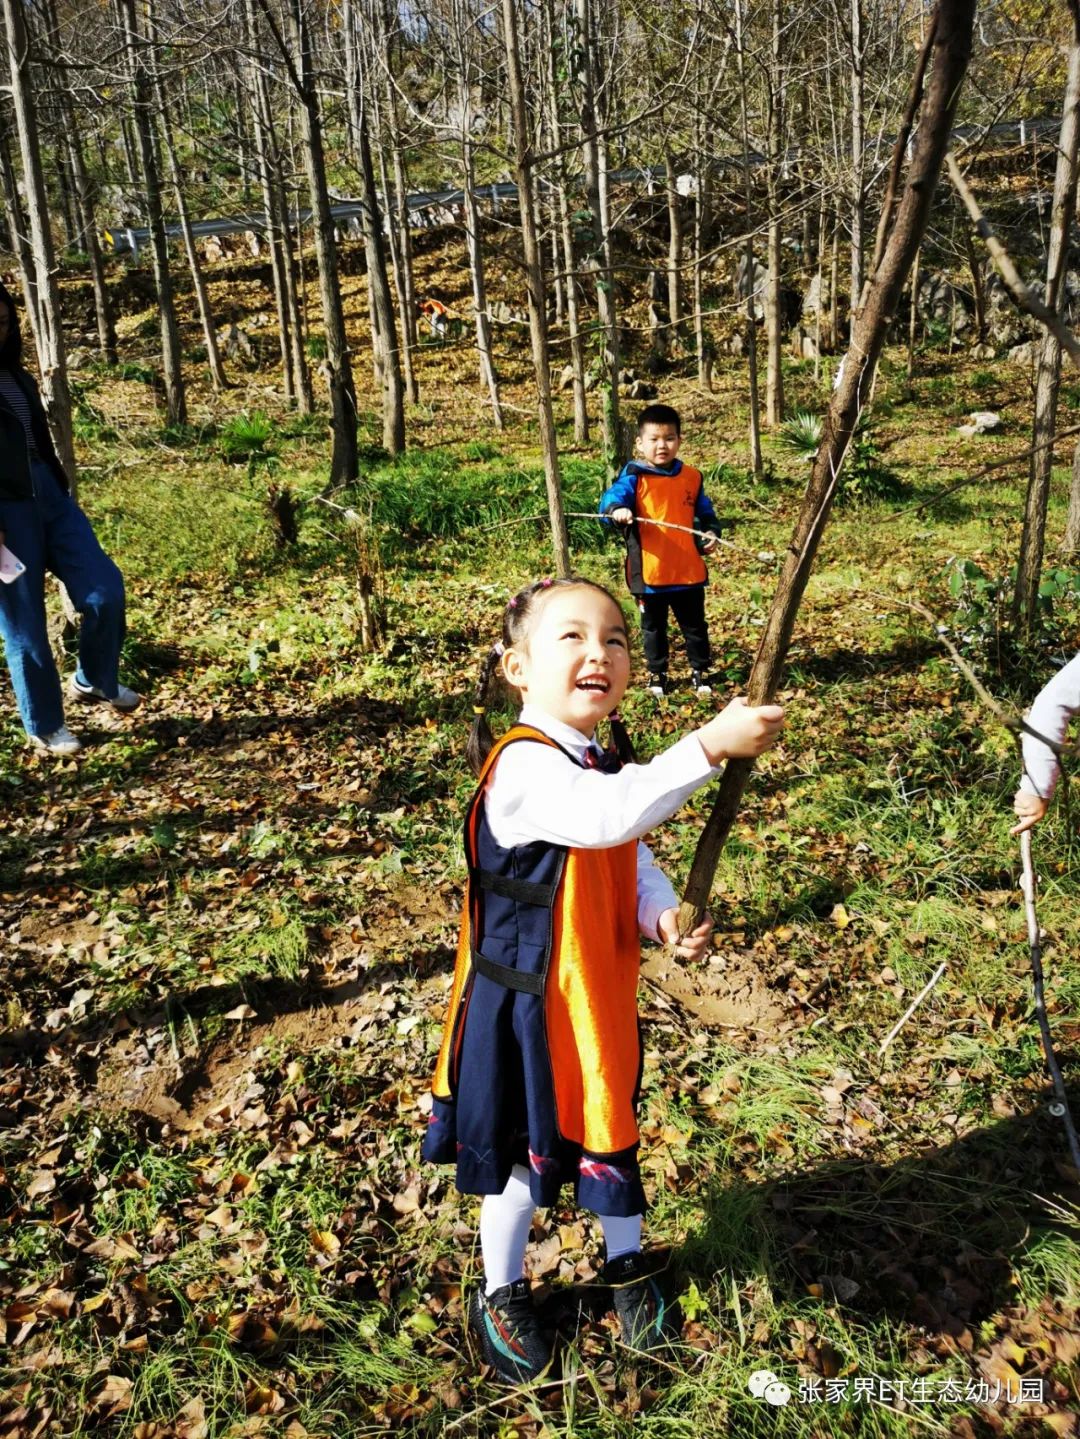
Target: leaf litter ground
pixel 228 933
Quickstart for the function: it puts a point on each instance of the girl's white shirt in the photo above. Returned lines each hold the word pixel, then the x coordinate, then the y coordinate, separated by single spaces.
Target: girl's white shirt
pixel 537 793
pixel 1054 707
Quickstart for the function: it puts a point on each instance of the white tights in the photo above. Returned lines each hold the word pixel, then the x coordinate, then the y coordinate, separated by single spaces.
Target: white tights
pixel 505 1220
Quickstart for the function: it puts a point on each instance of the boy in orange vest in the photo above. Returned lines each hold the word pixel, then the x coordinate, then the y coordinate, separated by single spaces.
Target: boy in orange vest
pixel 664 567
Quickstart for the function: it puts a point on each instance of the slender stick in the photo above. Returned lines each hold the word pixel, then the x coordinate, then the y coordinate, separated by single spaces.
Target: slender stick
pixel 912 1007
pixel 1061 1108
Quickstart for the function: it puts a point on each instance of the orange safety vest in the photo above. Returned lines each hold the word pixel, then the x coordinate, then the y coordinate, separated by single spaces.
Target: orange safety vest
pixel 588 982
pixel 669 557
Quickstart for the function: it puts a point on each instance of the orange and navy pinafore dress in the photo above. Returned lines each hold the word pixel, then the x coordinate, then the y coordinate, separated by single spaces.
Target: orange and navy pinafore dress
pixel 541 1056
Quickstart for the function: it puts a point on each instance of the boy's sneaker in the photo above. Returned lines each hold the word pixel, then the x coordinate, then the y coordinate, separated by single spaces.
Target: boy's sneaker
pixel 507 1328
pixel 61 741
pixel 657 685
pixel 699 684
pixel 124 700
pixel 638 1301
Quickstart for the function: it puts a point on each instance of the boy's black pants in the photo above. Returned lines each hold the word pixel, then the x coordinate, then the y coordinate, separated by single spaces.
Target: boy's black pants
pixel 688 607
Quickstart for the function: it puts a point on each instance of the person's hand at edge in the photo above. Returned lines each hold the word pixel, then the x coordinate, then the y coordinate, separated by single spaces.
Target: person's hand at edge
pixel 1030 808
pixel 692 946
pixel 741 731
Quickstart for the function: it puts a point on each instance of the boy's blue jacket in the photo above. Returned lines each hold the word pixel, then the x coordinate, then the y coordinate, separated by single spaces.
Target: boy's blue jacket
pixel 622 494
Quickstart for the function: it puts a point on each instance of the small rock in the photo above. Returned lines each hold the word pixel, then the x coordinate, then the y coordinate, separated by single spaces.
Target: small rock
pixel 1023 354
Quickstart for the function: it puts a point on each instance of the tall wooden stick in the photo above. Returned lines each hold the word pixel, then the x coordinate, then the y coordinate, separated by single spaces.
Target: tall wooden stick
pixel 952 48
pixel 1061 1107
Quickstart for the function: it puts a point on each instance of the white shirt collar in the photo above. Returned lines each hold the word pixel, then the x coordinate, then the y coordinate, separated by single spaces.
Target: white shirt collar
pixel 563 734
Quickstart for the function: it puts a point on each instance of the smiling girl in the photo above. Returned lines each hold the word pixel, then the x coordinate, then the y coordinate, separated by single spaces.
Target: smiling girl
pixel 537 1078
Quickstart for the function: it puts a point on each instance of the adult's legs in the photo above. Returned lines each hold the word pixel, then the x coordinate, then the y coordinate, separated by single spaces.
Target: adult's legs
pixel 654 632
pixel 93 582
pixel 23 623
pixel 689 609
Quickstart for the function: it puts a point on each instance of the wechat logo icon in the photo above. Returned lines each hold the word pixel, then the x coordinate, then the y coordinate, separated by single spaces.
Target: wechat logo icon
pixel 763 1384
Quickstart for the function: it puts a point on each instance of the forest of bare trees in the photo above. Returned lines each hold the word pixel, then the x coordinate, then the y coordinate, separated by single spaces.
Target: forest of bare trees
pixel 716 168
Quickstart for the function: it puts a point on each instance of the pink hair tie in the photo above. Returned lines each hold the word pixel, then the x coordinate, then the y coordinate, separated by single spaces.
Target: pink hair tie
pixel 546 584
pixel 497 649
pixel 513 603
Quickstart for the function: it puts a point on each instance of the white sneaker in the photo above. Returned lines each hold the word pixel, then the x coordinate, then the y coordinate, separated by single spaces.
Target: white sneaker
pixel 125 700
pixel 61 741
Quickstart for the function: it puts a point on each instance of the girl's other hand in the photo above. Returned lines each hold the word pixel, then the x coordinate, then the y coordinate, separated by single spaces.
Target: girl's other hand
pixel 741 731
pixel 1030 808
pixel 692 946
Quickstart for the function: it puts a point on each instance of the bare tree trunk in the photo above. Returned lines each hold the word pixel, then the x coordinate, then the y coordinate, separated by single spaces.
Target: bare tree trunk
pixel 600 259
pixel 412 394
pixel 858 141
pixel 1048 375
pixel 913 318
pixel 296 376
pixel 274 239
pixel 564 237
pixel 834 284
pixel 1071 543
pixel 702 342
pixel 820 275
pixel 405 251
pixel 66 190
pixel 978 289
pixel 675 248
pixel 175 398
pixel 757 464
pixel 218 378
pixel 19 228
pixel 84 195
pixel 481 318
pixel 393 390
pixel 344 459
pixel 382 306
pixel 130 163
pixel 774 378
pixel 951 53
pixel 523 164
pixel 49 332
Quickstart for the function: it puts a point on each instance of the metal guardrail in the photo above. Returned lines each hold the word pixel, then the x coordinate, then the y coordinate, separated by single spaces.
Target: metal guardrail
pixel 123 239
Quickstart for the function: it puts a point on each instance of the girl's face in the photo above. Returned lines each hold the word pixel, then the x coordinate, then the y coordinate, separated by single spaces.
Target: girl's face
pixel 575 660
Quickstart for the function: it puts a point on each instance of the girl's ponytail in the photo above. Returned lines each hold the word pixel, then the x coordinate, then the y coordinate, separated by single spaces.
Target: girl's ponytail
pixel 620 738
pixel 481 740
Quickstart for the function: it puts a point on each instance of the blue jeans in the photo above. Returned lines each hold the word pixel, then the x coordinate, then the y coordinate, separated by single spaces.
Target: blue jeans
pixel 50 533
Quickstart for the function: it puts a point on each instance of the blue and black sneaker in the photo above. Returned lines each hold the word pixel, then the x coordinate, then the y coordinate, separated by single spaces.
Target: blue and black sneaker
pixel 508 1331
pixel 638 1301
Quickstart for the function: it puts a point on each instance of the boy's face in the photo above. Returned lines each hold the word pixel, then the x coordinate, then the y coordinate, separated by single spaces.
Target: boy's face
pixel 658 444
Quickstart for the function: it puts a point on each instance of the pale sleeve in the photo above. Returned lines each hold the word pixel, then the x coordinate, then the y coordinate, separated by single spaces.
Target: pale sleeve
pixel 1054 707
pixel 539 793
pixel 654 893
